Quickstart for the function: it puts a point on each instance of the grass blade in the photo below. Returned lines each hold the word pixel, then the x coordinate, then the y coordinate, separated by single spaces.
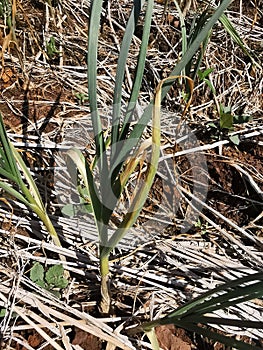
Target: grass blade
pixel 7 188
pixel 193 312
pixel 183 30
pixel 233 343
pixel 138 129
pixel 6 154
pixel 233 297
pixel 7 174
pixel 202 298
pixel 134 94
pixel 10 158
pixel 198 23
pixel 102 164
pixel 191 315
pixel 29 196
pixel 228 322
pixel 235 36
pixel 94 27
pixel 121 70
pixel 193 48
pixel 116 133
pixel 32 193
pixel 139 69
pixel 142 193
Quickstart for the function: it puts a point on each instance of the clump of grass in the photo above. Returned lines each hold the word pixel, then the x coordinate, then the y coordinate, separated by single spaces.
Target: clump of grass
pixel 197 315
pixel 8 13
pixel 21 183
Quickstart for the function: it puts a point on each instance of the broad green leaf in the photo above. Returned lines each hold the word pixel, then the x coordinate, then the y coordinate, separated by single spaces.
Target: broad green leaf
pixel 62 283
pixel 72 210
pixel 241 119
pixel 54 277
pixel 37 272
pixel 2 312
pixel 56 293
pixel 41 283
pixel 69 210
pixel 226 121
pixel 234 139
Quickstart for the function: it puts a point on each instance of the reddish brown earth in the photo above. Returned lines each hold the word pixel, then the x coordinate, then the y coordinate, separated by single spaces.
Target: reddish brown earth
pixel 43 97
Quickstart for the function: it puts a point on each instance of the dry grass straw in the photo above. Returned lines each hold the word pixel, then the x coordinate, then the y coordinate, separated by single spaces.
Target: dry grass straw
pixel 167 269
pixel 56 312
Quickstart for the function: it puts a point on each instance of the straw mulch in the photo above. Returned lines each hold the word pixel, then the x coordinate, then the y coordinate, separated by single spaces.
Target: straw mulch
pixel 159 265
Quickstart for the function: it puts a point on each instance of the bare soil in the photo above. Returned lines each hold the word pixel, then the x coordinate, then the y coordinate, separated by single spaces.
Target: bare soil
pixel 40 103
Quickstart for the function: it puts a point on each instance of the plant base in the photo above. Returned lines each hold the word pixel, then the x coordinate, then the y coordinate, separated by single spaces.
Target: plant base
pixel 105 303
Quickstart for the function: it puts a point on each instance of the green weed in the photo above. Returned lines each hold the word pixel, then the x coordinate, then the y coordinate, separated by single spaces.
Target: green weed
pixel 51 280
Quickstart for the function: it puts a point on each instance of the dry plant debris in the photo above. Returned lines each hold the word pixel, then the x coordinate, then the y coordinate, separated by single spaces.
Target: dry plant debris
pixel 45 107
